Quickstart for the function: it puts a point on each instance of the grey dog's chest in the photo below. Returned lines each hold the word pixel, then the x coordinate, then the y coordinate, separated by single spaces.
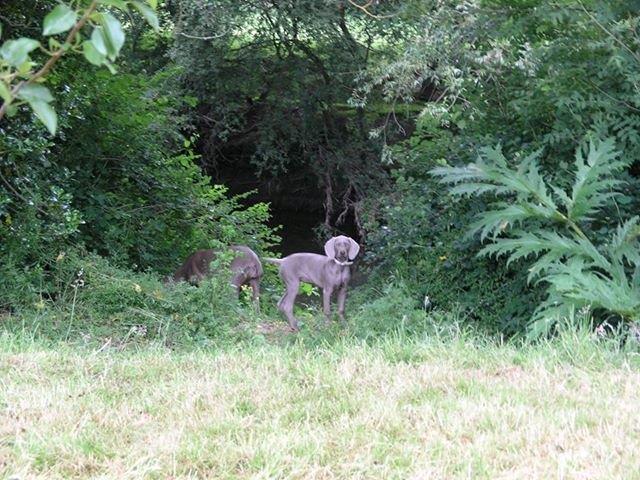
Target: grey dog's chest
pixel 338 275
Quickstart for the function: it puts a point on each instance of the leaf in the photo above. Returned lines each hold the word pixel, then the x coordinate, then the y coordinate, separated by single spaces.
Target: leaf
pixel 12 110
pixel 113 34
pixel 60 19
pixel 16 52
pixel 500 218
pixel 148 14
pixel 111 67
pixel 34 92
pixel 624 243
pixel 594 184
pixel 98 41
pixel 46 114
pixel 25 68
pixel 153 4
pixel 92 54
pixel 5 92
pixel 54 44
pixel 119 4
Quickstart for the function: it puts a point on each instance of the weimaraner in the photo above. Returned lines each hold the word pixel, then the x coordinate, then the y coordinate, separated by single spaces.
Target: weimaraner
pixel 330 273
pixel 245 267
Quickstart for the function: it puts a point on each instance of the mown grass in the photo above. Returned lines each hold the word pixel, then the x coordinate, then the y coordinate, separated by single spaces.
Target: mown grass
pixel 445 405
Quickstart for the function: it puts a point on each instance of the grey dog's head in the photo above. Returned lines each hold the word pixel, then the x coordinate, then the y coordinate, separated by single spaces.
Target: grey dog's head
pixel 341 248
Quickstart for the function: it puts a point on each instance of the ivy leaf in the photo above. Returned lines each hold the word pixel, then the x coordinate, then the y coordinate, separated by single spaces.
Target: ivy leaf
pixel 59 20
pixel 34 92
pixel 148 14
pixel 46 114
pixel 113 34
pixel 92 54
pixel 16 52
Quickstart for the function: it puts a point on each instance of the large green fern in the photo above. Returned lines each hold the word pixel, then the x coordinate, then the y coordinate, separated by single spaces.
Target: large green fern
pixel 533 219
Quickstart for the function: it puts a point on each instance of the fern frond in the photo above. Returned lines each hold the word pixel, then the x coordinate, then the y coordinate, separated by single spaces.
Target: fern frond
pixel 491 173
pixel 526 181
pixel 504 215
pixel 594 184
pixel 576 272
pixel 527 243
pixel 469 189
pixel 456 175
pixel 624 242
pixel 576 283
pixel 543 264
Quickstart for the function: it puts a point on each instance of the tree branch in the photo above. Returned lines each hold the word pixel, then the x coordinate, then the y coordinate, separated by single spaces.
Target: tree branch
pixel 196 37
pixel 611 34
pixel 365 8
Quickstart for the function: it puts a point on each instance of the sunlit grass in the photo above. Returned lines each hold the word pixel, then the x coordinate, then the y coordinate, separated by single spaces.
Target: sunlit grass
pixel 449 406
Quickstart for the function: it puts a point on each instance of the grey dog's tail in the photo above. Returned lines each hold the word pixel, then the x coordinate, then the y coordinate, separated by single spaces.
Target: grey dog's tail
pixel 277 261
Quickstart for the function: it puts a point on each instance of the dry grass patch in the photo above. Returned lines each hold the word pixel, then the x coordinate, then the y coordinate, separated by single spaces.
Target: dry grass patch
pixel 287 412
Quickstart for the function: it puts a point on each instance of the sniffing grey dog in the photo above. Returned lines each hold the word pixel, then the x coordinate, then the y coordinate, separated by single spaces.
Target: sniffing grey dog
pixel 246 269
pixel 331 273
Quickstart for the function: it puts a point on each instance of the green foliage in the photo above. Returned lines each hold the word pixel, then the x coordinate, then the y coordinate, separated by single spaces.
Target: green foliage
pixel 117 180
pixel 416 235
pixel 19 73
pixel 149 203
pixel 545 222
pixel 273 97
pixel 89 300
pixel 291 92
pixel 530 76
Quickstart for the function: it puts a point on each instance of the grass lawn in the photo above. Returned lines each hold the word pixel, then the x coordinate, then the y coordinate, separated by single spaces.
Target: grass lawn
pixel 402 408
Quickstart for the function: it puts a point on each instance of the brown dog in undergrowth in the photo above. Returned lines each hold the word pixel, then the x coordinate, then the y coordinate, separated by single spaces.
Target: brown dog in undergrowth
pixel 246 269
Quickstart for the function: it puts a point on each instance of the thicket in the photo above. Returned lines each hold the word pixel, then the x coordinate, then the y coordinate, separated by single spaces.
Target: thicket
pixel 369 105
pixel 119 180
pixel 529 78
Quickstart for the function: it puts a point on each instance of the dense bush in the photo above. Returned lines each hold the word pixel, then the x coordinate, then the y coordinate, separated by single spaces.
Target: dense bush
pixel 418 236
pixel 96 301
pixel 119 179
pixel 528 76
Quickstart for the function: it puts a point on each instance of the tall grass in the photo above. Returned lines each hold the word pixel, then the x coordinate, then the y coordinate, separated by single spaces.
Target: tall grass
pixel 449 403
pixel 150 381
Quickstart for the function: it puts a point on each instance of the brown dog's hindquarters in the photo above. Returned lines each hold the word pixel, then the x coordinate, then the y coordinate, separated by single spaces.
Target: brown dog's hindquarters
pixel 331 273
pixel 246 269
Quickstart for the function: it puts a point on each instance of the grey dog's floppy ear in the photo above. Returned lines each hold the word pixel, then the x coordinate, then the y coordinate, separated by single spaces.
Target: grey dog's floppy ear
pixel 328 248
pixel 354 248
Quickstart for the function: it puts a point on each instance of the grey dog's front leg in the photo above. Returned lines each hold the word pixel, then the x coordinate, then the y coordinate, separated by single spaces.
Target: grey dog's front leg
pixel 342 298
pixel 326 304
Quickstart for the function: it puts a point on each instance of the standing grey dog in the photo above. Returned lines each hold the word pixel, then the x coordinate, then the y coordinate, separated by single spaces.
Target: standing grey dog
pixel 246 268
pixel 331 273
